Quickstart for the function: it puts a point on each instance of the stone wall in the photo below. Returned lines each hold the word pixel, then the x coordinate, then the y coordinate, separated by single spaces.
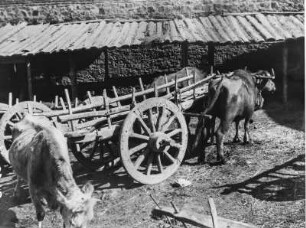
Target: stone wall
pixel 54 11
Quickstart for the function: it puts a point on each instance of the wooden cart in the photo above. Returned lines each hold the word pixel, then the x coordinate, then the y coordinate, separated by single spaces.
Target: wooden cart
pixel 146 128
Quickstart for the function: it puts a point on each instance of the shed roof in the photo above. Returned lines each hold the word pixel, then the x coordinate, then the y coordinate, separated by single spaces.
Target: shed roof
pixel 25 40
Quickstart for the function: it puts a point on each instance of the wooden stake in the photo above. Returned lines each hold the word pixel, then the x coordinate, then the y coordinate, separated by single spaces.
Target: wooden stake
pixel 10 99
pixel 176 211
pixel 63 103
pixel 69 107
pixel 133 97
pixel 166 81
pixel 34 98
pixel 187 73
pixel 30 108
pixel 213 212
pixel 56 101
pixel 116 95
pixel 155 90
pixel 106 103
pixel 141 87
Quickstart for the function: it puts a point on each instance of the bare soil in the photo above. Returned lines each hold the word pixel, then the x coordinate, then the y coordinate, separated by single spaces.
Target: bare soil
pixel 262 183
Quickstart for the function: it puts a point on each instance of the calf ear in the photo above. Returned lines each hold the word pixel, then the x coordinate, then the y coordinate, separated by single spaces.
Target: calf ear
pixel 88 188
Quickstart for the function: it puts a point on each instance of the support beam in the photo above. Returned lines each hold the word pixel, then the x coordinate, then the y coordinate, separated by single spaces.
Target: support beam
pixel 29 80
pixel 285 74
pixel 72 75
pixel 211 55
pixel 106 65
pixel 184 53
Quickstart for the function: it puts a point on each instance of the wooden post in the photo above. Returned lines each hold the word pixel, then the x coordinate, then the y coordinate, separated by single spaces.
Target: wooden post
pixel 72 75
pixel 184 52
pixel 211 55
pixel 106 65
pixel 284 73
pixel 29 80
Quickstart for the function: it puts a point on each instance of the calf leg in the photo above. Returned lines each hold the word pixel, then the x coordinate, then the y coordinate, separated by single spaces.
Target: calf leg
pixel 222 130
pixel 246 138
pixel 236 138
pixel 36 199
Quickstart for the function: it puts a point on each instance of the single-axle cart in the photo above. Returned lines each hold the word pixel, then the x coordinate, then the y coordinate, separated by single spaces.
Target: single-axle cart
pixel 150 132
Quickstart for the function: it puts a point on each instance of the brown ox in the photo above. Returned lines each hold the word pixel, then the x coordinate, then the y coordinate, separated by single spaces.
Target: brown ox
pixel 39 155
pixel 233 98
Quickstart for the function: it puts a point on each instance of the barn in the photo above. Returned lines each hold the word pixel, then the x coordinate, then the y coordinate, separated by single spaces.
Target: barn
pixel 95 54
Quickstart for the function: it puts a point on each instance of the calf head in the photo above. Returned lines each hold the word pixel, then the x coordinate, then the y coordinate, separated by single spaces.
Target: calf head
pixel 78 210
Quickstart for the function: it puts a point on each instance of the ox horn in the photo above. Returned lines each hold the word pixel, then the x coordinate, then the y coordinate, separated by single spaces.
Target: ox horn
pixel 273 73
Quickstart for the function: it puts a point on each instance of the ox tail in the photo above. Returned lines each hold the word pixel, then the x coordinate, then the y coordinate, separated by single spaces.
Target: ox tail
pixel 201 122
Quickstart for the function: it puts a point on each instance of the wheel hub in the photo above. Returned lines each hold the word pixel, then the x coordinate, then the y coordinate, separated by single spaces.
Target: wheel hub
pixel 158 141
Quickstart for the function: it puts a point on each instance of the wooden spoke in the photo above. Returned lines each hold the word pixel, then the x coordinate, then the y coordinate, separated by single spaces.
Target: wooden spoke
pixel 172 159
pixel 141 158
pixel 81 147
pixel 169 122
pixel 8 137
pixel 93 150
pixel 159 163
pixel 174 132
pixel 139 136
pixel 137 148
pixel 174 144
pixel 19 115
pixel 149 164
pixel 151 120
pixel 143 124
pixel 10 123
pixel 161 118
pixel 140 155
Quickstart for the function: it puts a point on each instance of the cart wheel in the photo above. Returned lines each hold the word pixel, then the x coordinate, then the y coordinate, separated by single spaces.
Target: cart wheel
pixel 13 115
pixel 153 140
pixel 96 154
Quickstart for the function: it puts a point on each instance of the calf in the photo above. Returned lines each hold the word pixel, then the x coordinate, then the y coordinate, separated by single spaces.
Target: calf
pixel 39 155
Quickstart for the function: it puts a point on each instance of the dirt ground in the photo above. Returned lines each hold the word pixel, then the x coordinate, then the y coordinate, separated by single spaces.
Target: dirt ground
pixel 262 183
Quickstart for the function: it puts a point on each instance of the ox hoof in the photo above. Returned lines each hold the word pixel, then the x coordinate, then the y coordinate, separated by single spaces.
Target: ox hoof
pixel 201 161
pixel 236 140
pixel 221 161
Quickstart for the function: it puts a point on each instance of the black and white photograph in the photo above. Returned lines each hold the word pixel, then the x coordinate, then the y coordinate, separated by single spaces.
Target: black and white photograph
pixel 152 113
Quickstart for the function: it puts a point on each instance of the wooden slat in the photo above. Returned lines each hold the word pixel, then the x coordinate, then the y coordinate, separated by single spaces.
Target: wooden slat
pixel 140 33
pixel 211 30
pixel 89 42
pixel 131 34
pixel 260 28
pixel 220 29
pixel 252 33
pixel 265 23
pixel 229 31
pixel 234 25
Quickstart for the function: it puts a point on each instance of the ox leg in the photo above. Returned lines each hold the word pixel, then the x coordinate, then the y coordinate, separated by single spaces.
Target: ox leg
pixel 17 189
pixel 236 138
pixel 36 199
pixel 212 130
pixel 222 130
pixel 246 138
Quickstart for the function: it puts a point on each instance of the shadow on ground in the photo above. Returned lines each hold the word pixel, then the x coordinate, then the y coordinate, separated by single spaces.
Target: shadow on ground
pixel 276 184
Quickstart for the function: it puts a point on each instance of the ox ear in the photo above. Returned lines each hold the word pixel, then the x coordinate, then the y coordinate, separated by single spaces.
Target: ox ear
pixel 88 188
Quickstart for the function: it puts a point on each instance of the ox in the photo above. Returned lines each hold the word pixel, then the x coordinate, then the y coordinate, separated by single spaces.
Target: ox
pixel 231 99
pixel 39 155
